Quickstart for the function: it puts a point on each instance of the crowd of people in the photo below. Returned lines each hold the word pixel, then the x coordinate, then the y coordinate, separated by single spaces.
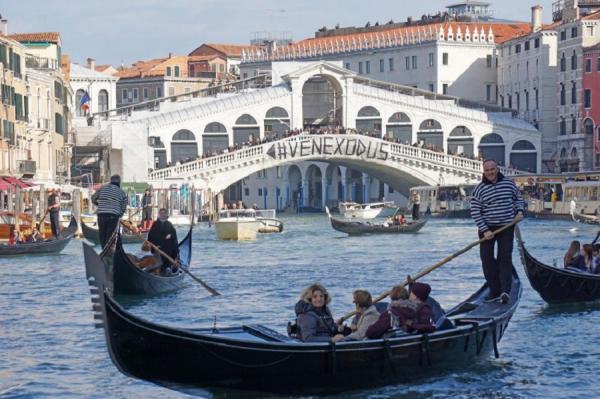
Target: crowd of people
pixel 585 258
pixel 408 312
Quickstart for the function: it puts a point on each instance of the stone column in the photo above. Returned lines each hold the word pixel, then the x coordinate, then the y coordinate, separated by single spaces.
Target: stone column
pixel 344 182
pixel 366 188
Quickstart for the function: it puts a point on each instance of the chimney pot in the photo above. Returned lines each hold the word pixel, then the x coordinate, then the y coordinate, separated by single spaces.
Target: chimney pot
pixel 536 18
pixel 91 64
pixel 3 26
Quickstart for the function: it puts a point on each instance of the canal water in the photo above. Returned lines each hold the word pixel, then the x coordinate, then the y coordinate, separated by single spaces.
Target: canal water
pixel 49 347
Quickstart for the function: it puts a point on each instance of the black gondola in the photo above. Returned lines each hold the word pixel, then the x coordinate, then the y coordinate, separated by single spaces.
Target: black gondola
pixel 557 285
pixel 452 214
pixel 129 279
pixel 586 219
pixel 358 228
pixel 51 246
pixel 92 235
pixel 547 215
pixel 253 357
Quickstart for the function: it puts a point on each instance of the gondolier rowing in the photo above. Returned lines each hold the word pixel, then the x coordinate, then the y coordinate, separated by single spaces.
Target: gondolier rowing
pixel 112 203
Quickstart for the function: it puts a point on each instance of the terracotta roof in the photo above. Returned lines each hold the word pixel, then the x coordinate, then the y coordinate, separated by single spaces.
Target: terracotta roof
pixel 203 57
pixel 591 49
pixel 230 50
pixel 51 37
pixel 592 16
pixel 102 68
pixel 154 67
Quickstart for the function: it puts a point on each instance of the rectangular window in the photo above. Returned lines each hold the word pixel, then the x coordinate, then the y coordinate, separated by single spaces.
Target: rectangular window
pixel 588 65
pixel 246 191
pixel 381 65
pixel 407 61
pixel 573 125
pixel 360 67
pixel 536 42
pixel 527 45
pixel 171 91
pixel 431 59
pixel 168 71
pixel 445 58
pixel 124 94
pixel 590 31
pixel 488 60
pixel 563 35
pixel 368 66
pixel 574 32
pixel 145 93
pixel 176 71
pixel 135 94
pixel 517 49
pixel 260 192
pixel 391 64
pixel 587 98
pixel 347 65
pixel 445 88
pixel 245 75
pixel 158 92
pixel 431 87
pixel 414 62
pixel 488 92
pixel 598 65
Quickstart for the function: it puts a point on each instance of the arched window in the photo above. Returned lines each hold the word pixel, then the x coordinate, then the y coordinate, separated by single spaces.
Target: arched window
pixel 460 141
pixel 399 128
pixel 588 126
pixel 573 93
pixel 562 128
pixel 183 146
pixel 562 94
pixel 78 96
pixel 491 146
pixel 368 111
pixel 573 124
pixel 102 101
pixel 563 153
pixel 574 60
pixel 523 145
pixel 277 122
pixel 215 127
pixel 524 156
pixel 246 120
pixel 276 112
pixel 430 134
pixel 574 152
pixel 430 124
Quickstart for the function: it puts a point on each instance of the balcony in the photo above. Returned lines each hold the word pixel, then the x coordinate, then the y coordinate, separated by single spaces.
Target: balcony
pixel 41 63
pixel 26 167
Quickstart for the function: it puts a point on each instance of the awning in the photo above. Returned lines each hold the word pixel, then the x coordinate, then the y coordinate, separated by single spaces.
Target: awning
pixel 4 185
pixel 16 182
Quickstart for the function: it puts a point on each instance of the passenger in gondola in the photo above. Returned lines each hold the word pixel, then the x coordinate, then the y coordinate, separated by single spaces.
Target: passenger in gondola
pixel 313 317
pixel 588 257
pixel 573 258
pixel 402 220
pixel 36 236
pixel 366 315
pixel 163 235
pixel 596 259
pixel 406 312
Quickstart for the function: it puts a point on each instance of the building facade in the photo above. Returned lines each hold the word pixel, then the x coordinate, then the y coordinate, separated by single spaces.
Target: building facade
pixel 591 99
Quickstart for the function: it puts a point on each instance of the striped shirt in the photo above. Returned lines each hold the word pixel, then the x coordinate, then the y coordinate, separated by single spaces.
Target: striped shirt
pixel 110 199
pixel 495 204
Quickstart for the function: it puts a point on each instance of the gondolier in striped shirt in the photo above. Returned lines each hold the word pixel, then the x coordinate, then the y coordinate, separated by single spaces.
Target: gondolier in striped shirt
pixel 112 203
pixel 495 202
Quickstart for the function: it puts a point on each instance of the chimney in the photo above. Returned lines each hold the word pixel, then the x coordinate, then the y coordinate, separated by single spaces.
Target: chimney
pixel 3 26
pixel 536 18
pixel 91 63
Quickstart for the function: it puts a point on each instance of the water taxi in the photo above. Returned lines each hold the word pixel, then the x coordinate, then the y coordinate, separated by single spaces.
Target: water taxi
pixel 237 224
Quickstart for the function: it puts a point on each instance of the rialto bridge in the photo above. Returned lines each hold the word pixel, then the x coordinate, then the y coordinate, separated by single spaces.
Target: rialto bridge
pixel 166 146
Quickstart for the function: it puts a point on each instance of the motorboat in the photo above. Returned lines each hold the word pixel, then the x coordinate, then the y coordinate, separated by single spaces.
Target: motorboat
pixel 269 221
pixel 353 210
pixel 237 224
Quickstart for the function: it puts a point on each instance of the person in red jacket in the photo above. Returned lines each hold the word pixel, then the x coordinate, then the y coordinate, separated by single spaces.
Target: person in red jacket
pixel 407 312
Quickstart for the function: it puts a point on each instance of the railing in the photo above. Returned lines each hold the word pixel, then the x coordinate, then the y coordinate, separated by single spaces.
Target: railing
pixel 41 63
pixel 258 152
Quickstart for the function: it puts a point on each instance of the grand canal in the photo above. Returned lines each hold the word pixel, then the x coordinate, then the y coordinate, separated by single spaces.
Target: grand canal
pixel 49 347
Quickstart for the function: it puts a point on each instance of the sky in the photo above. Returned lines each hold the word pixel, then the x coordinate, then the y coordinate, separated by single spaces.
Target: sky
pixel 120 32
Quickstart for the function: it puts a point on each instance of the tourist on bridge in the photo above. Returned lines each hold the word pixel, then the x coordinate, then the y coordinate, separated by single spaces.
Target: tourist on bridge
pixel 163 235
pixel 495 202
pixel 147 210
pixel 416 204
pixel 112 203
pixel 54 211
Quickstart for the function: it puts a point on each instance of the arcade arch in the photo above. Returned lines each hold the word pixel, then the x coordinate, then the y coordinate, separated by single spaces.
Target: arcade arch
pixel 492 146
pixel 430 133
pixel 245 129
pixel 183 146
pixel 399 127
pixel 460 141
pixel 523 156
pixel 321 101
pixel 276 122
pixel 215 138
pixel 368 119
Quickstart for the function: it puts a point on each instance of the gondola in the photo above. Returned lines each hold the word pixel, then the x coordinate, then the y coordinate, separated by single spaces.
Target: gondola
pixel 558 285
pixel 92 235
pixel 129 279
pixel 51 246
pixel 452 214
pixel 586 219
pixel 546 215
pixel 254 357
pixel 357 228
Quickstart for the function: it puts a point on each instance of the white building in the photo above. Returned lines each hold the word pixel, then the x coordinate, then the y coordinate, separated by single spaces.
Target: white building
pixel 527 67
pixel 100 86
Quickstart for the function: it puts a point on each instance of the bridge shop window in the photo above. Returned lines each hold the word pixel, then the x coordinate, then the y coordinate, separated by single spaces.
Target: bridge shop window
pixel 183 146
pixel 245 130
pixel 399 128
pixel 369 120
pixel 492 146
pixel 460 142
pixel 276 122
pixel 215 138
pixel 523 156
pixel 430 134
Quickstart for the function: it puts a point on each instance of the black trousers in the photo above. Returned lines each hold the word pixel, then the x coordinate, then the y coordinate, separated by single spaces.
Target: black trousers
pixel 147 213
pixel 415 211
pixel 54 223
pixel 107 223
pixel 498 270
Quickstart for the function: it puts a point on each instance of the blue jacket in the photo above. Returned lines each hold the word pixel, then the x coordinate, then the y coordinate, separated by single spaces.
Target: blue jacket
pixel 314 325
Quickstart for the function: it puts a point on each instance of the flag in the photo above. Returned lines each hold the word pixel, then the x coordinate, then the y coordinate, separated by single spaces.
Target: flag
pixel 83 103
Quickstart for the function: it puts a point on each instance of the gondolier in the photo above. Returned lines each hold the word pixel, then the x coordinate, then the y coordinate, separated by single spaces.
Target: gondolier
pixel 496 201
pixel 147 210
pixel 416 204
pixel 54 211
pixel 112 203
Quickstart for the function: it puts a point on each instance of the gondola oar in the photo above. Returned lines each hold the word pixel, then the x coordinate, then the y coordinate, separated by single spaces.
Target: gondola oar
pixel 171 260
pixel 429 269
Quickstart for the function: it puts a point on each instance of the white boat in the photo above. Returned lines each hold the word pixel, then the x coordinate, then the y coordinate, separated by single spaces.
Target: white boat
pixel 179 219
pixel 237 224
pixel 269 221
pixel 353 210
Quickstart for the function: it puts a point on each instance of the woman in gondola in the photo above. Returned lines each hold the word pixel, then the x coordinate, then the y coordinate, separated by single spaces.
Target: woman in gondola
pixel 573 258
pixel 313 317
